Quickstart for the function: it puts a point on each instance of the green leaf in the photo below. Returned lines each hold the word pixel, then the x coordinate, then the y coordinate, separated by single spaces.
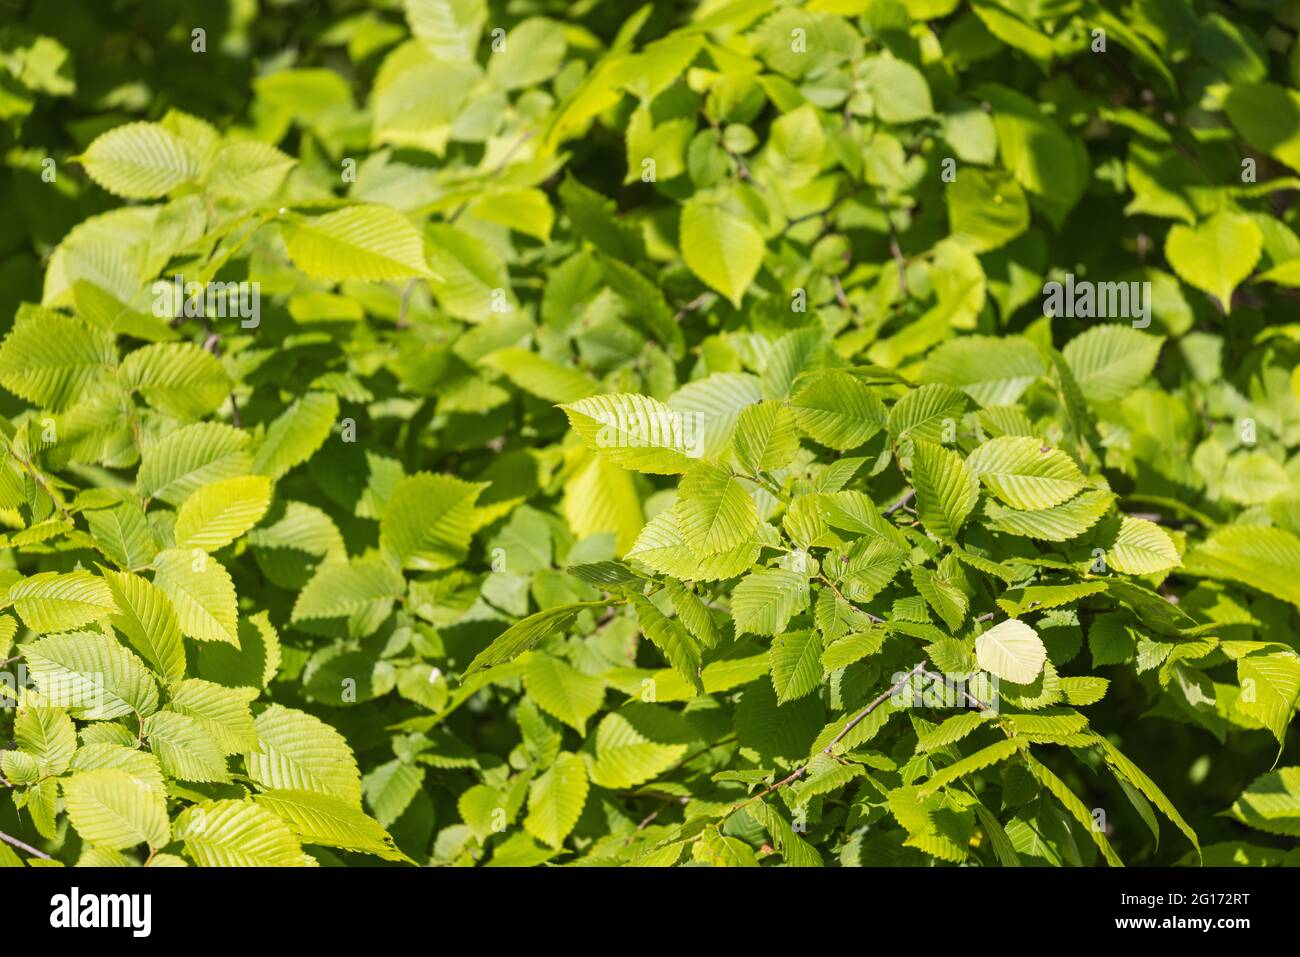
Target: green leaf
pixel 368 242
pixel 1135 776
pixel 721 245
pixel 1011 650
pixel 248 171
pixel 563 691
pixel 1258 556
pixel 845 651
pixel 765 600
pixel 1259 111
pixel 602 497
pixel 296 434
pixel 185 748
pixel 1111 361
pixel 540 376
pixel 146 619
pixel 556 800
pixel 986 210
pixel 298 751
pixel 1077 809
pixel 340 589
pixel 429 520
pixel 1056 524
pixel 223 712
pixel 1272 803
pixel 316 818
pixel 952 730
pixel 670 637
pixel 946 598
pixel 710 407
pixel 626 757
pixel 52 360
pixel 1051 165
pixel 237 834
pixel 390 788
pixel 796 146
pixel 1023 473
pixel 661 547
pixel 123 534
pixel 983 758
pixel 898 89
pixel 765 437
pixel 471 281
pixel 796 664
pixel 139 161
pixel 190 457
pixel 179 378
pixel 219 513
pixel 50 601
pixel 1217 255
pixel 714 512
pixel 837 410
pixel 47 734
pixel 110 808
pixel 201 591
pixel 637 432
pixel 1270 686
pixel 533 52
pixel 449 28
pixel 141 765
pixel 945 489
pixel 526 633
pixel 91 675
pixel 927 413
pixel 990 370
pixel 1141 548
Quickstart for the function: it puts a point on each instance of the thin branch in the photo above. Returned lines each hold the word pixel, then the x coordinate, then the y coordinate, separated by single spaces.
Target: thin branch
pixel 911 494
pixel 691 306
pixel 895 249
pixel 840 595
pixel 23 846
pixel 875 703
pixel 976 702
pixel 853 723
pixel 510 153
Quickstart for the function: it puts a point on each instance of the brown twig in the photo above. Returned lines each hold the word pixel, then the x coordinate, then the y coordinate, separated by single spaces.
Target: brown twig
pixel 23 846
pixel 976 702
pixel 895 249
pixel 840 595
pixel 911 494
pixel 691 306
pixel 853 723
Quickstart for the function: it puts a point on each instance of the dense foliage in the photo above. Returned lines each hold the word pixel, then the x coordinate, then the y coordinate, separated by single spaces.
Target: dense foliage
pixel 842 432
